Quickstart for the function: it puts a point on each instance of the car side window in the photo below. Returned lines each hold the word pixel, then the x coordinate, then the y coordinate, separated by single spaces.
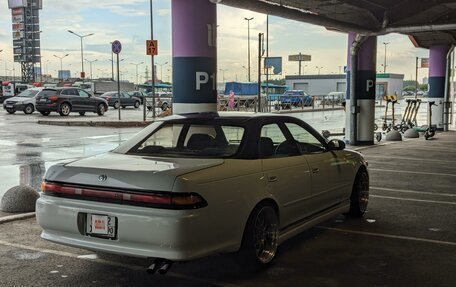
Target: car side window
pixel 309 143
pixel 83 94
pixel 65 92
pixel 273 143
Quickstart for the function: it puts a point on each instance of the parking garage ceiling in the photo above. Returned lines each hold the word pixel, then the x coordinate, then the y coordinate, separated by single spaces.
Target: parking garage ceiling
pixel 427 22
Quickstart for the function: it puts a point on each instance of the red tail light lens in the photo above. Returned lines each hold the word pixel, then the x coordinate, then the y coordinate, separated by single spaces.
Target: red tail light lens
pixel 53 98
pixel 151 199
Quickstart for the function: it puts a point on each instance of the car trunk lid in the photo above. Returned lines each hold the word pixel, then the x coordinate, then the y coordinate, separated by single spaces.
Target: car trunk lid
pixel 130 172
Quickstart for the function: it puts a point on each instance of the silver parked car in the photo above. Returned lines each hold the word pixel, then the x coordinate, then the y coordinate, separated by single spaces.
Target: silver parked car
pixel 25 101
pixel 188 186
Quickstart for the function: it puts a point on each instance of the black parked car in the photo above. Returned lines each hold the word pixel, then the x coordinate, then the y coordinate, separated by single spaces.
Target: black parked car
pixel 67 100
pixel 125 100
pixel 137 94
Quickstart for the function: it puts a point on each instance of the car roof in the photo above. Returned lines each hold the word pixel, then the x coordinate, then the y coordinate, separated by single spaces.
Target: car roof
pixel 239 116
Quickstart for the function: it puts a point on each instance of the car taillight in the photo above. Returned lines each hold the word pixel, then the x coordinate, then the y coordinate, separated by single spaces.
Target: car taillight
pixel 107 98
pixel 53 98
pixel 159 200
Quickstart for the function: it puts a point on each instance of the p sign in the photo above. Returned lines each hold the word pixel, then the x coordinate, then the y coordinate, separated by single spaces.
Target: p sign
pixel 369 85
pixel 202 78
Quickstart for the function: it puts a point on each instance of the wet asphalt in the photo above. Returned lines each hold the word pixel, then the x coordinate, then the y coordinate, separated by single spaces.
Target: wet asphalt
pixel 407 237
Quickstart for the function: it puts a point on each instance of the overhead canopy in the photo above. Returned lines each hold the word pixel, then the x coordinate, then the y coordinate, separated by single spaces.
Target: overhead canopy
pixel 428 23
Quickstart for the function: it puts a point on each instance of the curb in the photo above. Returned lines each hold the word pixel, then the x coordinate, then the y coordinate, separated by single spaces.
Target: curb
pixel 15 217
pixel 111 124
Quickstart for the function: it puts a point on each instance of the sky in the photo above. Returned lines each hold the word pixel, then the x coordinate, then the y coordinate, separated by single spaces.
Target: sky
pixel 129 22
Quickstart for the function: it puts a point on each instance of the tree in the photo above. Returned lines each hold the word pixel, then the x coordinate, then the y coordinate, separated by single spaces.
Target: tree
pixel 423 87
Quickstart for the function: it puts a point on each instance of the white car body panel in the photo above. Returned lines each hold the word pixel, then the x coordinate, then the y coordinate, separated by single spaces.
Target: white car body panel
pixel 304 189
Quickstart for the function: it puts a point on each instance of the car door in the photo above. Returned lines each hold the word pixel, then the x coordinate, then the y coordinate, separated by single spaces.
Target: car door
pixel 71 96
pixel 329 169
pixel 287 175
pixel 88 103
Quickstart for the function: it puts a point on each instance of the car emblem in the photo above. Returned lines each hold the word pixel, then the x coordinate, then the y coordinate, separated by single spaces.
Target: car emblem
pixel 102 177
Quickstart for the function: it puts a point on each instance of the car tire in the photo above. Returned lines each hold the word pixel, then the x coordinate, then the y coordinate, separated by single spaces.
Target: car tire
pixel 29 109
pixel 137 104
pixel 45 113
pixel 123 107
pixel 11 111
pixel 82 113
pixel 261 237
pixel 116 105
pixel 359 198
pixel 64 109
pixel 101 109
pixel 164 107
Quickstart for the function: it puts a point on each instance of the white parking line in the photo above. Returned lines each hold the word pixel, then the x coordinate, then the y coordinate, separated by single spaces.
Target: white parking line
pixel 113 263
pixel 412 191
pixel 417 200
pixel 412 172
pixel 389 236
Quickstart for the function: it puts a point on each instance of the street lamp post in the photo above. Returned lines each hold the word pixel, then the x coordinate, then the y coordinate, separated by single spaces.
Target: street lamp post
pixel 384 59
pixel 61 64
pixel 223 74
pixel 248 44
pixel 90 62
pixel 0 52
pixel 161 69
pixel 137 70
pixel 318 68
pixel 82 51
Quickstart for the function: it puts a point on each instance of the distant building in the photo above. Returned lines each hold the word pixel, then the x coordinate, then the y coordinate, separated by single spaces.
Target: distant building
pixel 317 85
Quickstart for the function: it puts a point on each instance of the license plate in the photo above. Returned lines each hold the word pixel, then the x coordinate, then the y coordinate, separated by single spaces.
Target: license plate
pixel 43 100
pixel 101 225
pixel 9 106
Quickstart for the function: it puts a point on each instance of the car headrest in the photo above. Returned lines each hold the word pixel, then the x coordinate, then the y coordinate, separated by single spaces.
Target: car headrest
pixel 200 141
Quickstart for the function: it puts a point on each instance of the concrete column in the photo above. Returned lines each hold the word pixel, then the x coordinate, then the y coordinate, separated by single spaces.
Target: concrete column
pixel 365 90
pixel 194 25
pixel 437 69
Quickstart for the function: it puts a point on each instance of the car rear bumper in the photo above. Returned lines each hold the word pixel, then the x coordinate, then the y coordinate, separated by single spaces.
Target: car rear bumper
pixel 47 108
pixel 141 232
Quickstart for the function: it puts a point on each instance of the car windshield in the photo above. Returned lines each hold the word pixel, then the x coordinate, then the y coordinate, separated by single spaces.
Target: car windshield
pixel 28 93
pixel 191 140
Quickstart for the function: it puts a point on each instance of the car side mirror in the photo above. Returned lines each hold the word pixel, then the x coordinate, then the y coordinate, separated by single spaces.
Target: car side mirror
pixel 336 144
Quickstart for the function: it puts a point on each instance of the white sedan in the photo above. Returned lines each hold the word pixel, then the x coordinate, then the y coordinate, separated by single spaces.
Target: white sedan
pixel 188 186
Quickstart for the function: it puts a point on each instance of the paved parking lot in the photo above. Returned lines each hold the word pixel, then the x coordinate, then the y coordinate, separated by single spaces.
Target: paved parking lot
pixel 407 238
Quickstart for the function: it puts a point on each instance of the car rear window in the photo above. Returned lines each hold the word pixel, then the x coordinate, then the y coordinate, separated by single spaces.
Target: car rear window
pixel 191 140
pixel 48 93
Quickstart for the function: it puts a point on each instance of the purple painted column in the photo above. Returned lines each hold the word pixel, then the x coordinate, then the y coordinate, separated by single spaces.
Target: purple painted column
pixel 194 25
pixel 365 89
pixel 437 70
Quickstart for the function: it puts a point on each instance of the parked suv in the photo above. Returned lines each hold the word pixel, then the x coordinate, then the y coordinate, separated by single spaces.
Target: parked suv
pixel 295 98
pixel 67 100
pixel 25 101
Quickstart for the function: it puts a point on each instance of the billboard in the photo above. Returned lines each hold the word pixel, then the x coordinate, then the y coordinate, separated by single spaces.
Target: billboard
pixel 17 3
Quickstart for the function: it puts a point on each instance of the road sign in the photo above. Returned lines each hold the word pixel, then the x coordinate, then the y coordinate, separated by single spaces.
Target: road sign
pixel 83 75
pixel 116 47
pixel 152 47
pixel 299 57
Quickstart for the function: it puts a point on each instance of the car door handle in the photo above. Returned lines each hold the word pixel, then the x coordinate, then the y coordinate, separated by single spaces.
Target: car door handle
pixel 272 178
pixel 315 170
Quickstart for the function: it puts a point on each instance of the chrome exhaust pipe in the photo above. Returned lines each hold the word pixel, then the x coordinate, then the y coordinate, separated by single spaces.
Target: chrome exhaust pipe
pixel 165 266
pixel 154 266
